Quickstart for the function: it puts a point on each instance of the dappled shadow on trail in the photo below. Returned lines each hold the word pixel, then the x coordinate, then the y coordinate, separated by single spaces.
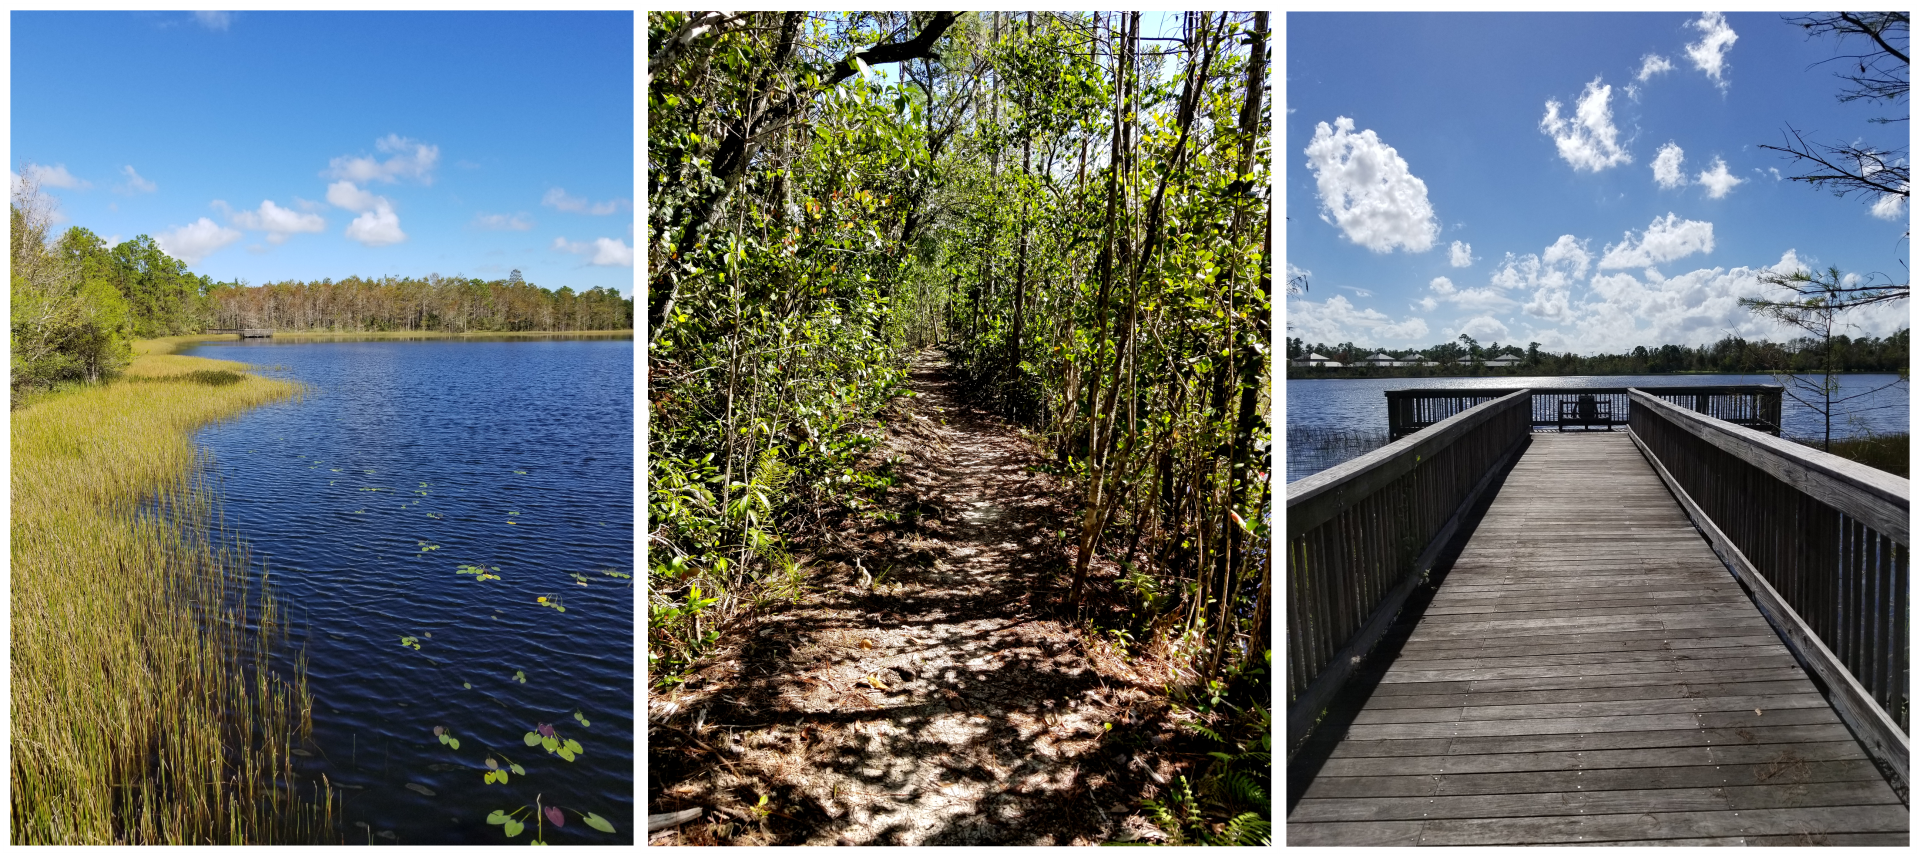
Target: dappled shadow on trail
pixel 918 694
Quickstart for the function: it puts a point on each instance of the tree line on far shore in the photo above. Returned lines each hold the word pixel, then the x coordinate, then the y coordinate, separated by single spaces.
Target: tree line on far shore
pixel 1730 355
pixel 78 303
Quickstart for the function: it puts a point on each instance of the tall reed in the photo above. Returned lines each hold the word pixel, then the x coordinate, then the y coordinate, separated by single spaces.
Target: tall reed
pixel 146 707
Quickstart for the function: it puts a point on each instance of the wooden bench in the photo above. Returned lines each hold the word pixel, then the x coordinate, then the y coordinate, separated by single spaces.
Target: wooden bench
pixel 1586 412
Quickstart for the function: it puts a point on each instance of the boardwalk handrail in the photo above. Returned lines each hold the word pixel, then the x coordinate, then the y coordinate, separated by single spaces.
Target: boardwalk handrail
pixel 1362 534
pixel 1820 541
pixel 1755 406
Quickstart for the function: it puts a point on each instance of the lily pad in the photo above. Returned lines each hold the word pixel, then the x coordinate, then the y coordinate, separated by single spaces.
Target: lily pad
pixel 554 815
pixel 594 821
pixel 498 817
pixel 514 828
pixel 517 771
pixel 532 739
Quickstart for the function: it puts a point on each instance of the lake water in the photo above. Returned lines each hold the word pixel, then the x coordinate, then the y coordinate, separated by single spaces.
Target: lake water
pixel 515 457
pixel 1357 408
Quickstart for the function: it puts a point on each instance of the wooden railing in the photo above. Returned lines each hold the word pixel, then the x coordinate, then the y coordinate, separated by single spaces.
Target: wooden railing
pixel 1363 534
pixel 1756 406
pixel 1820 541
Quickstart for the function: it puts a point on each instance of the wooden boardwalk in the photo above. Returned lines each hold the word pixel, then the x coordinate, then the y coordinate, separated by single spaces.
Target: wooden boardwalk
pixel 1590 672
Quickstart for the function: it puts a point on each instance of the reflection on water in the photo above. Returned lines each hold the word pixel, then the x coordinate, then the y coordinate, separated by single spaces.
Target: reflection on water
pixel 476 499
pixel 1331 420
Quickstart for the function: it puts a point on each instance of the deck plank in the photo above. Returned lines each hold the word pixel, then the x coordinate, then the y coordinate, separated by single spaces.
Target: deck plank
pixel 1590 673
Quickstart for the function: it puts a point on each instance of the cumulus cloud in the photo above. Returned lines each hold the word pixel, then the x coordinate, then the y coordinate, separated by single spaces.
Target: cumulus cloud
pixel 55 176
pixel 1443 291
pixel 1666 166
pixel 1587 140
pixel 411 159
pixel 135 183
pixel 277 222
pixel 1890 207
pixel 1710 53
pixel 1484 328
pixel 215 21
pixel 1665 240
pixel 377 225
pixel 1569 255
pixel 1338 320
pixel 1460 254
pixel 514 222
pixel 605 252
pixel 1650 65
pixel 560 199
pixel 377 228
pixel 196 240
pixel 1367 190
pixel 1717 180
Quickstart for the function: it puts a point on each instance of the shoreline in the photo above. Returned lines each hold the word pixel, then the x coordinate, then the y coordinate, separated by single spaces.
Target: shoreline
pixel 145 705
pixel 418 334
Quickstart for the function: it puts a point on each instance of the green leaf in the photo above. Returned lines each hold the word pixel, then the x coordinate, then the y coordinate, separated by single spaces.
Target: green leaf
pixel 514 828
pixel 550 744
pixel 574 746
pixel 453 742
pixel 497 817
pixel 532 738
pixel 565 753
pixel 597 823
pixel 517 770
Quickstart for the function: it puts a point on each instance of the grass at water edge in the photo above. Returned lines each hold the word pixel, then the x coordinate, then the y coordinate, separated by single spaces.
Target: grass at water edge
pixel 145 706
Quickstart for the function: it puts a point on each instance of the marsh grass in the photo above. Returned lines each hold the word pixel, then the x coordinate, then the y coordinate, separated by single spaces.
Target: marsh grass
pixel 146 708
pixel 1889 452
pixel 1313 449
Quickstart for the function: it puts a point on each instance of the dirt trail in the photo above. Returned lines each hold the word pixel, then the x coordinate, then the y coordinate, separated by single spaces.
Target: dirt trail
pixel 937 706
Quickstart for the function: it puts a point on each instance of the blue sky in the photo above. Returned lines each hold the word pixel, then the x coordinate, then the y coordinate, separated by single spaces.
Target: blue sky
pixel 269 146
pixel 1517 177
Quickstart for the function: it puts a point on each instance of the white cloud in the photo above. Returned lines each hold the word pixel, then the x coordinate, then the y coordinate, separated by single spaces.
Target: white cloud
pixel 514 222
pixel 606 252
pixel 277 222
pixel 1569 255
pixel 1890 207
pixel 1337 320
pixel 1460 254
pixel 560 199
pixel 377 228
pixel 216 21
pixel 1445 292
pixel 411 159
pixel 1718 181
pixel 1652 64
pixel 352 198
pixel 196 240
pixel 377 225
pixel 135 183
pixel 1484 328
pixel 55 176
pixel 1666 166
pixel 1665 240
pixel 1367 190
pixel 1587 140
pixel 1710 53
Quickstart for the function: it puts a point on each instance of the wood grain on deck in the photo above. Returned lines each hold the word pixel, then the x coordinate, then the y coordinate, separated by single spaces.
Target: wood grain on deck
pixel 1590 673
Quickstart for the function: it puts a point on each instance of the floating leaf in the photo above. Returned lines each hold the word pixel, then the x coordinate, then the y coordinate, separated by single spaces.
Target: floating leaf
pixel 488 777
pixel 466 685
pixel 594 821
pixel 554 815
pixel 514 828
pixel 550 744
pixel 439 730
pixel 531 739
pixel 491 763
pixel 574 746
pixel 517 770
pixel 545 729
pixel 519 676
pixel 453 742
pixel 498 817
pixel 564 753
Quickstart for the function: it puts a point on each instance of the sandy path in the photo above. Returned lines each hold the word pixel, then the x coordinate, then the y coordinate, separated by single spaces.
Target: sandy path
pixel 936 707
